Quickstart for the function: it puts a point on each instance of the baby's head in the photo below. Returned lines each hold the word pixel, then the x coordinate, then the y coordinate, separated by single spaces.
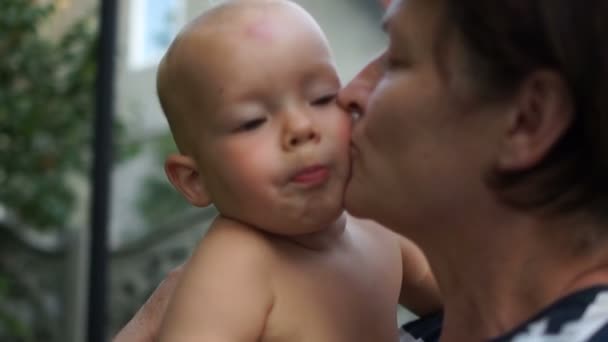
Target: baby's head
pixel 249 91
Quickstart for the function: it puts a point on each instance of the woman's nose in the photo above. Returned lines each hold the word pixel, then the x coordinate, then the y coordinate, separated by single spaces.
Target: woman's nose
pixel 354 96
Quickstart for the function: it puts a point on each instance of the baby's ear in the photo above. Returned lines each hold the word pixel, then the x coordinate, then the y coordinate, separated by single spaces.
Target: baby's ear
pixel 185 177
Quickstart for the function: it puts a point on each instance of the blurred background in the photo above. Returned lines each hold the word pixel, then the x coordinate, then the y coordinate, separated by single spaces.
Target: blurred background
pixel 47 107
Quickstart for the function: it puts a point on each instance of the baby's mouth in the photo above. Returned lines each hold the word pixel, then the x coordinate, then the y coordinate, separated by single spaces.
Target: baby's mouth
pixel 312 175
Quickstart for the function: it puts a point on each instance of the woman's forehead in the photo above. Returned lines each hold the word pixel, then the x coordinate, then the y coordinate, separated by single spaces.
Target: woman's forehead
pixel 413 23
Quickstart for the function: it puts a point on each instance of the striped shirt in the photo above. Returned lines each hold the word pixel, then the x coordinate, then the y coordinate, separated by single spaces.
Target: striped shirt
pixel 579 317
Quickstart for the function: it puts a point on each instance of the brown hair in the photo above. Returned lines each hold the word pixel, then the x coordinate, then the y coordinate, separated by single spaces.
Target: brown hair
pixel 506 40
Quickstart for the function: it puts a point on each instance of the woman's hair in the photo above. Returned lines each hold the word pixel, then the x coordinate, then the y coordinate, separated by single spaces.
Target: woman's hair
pixel 505 41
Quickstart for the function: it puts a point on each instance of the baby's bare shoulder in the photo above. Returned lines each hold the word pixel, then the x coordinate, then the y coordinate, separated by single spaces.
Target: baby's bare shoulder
pixel 231 264
pixel 371 232
pixel 234 240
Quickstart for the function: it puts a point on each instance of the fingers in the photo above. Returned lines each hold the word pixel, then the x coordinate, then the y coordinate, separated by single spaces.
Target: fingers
pixel 145 325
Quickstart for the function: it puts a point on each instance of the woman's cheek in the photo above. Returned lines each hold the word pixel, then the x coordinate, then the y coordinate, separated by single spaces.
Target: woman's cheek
pixel 382 124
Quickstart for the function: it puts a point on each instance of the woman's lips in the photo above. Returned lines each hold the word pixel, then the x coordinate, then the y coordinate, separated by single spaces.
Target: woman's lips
pixel 313 175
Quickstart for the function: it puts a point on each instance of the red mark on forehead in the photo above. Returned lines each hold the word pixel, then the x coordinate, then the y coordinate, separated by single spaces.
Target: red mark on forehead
pixel 260 30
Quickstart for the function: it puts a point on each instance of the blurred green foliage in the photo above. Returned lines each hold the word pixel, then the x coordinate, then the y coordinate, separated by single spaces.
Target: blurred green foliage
pixel 47 97
pixel 13 325
pixel 46 114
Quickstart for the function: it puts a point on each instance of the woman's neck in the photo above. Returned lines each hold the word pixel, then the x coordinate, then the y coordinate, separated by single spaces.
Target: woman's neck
pixel 507 271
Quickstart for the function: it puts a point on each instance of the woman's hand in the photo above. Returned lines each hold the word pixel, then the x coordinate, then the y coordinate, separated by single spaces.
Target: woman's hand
pixel 145 325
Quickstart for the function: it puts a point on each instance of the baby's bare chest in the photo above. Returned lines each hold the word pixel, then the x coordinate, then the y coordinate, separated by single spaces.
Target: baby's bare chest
pixel 347 296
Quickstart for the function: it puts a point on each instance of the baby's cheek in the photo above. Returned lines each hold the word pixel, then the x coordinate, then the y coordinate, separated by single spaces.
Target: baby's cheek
pixel 250 165
pixel 243 183
pixel 342 133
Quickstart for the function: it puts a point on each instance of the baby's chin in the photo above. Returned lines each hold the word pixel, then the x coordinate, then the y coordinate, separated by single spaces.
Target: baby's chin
pixel 314 222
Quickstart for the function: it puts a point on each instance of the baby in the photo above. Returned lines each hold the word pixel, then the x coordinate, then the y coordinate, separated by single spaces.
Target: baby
pixel 249 91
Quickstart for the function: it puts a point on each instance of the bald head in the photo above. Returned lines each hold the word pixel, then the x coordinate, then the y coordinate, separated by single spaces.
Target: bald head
pixel 184 87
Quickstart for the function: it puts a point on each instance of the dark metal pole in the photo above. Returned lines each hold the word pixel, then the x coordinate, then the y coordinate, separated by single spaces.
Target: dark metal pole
pixel 102 166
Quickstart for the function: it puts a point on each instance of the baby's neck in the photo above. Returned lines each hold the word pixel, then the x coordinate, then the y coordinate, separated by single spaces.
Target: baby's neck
pixel 323 239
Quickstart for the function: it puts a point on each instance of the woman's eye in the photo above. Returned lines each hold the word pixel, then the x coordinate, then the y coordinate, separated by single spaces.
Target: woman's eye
pixel 392 63
pixel 251 125
pixel 324 100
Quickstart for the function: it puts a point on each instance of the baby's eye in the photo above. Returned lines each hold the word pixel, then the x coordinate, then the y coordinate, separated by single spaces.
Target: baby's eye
pixel 251 125
pixel 324 100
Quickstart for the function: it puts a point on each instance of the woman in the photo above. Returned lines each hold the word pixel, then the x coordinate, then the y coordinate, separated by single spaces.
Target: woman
pixel 481 138
pixel 490 118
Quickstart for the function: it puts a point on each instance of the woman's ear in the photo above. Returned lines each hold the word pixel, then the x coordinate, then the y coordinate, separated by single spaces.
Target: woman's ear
pixel 543 112
pixel 183 173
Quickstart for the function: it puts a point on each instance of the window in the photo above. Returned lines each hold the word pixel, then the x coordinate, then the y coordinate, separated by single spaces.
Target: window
pixel 154 23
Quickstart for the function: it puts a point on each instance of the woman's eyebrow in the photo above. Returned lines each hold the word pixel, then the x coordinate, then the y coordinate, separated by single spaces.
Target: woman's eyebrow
pixel 385 23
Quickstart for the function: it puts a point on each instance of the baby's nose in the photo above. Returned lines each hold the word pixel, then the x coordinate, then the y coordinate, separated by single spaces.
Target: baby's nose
pixel 299 131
